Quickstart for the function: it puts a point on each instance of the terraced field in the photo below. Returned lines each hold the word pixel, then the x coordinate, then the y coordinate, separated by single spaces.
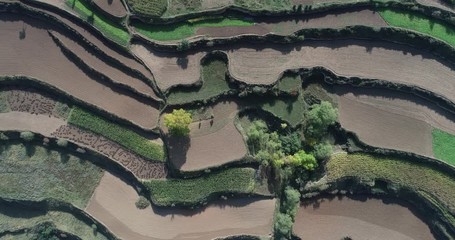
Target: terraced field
pixel 227 119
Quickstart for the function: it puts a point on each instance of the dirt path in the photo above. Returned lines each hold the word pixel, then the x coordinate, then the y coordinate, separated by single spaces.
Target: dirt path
pixel 24 121
pixel 383 128
pixel 35 54
pixel 170 69
pixel 211 142
pixel 372 219
pixel 113 205
pixel 112 7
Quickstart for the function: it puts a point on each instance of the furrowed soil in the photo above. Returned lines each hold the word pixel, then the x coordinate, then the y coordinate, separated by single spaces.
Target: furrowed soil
pixel 212 142
pixel 112 7
pixel 373 219
pixel 113 205
pixel 286 26
pixel 385 128
pixel 33 53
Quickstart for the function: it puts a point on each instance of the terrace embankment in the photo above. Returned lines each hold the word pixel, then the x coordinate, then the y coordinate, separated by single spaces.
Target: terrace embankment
pixel 113 205
pixel 359 218
pixel 27 49
pixel 212 142
pixel 391 119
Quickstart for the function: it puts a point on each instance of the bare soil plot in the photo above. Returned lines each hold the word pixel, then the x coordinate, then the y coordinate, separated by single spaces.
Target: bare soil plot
pixel 170 69
pixel 212 142
pixel 372 219
pixel 140 167
pixel 99 65
pixel 33 53
pixel 113 205
pixel 286 26
pixel 382 128
pixel 403 104
pixel 24 121
pixel 112 7
pixel 107 48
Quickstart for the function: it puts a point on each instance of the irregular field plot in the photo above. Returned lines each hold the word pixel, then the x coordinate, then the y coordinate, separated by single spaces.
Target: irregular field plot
pixel 31 172
pixel 113 205
pixel 418 177
pixel 165 192
pixel 112 7
pixel 360 219
pixel 38 56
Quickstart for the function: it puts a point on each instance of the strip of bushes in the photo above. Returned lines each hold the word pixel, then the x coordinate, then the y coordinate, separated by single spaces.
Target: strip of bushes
pixel 116 133
pixel 197 191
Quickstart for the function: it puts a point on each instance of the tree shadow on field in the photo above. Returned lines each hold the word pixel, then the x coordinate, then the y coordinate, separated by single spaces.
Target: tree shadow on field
pixel 109 2
pixel 30 149
pixel 22 33
pixel 182 62
pixel 178 148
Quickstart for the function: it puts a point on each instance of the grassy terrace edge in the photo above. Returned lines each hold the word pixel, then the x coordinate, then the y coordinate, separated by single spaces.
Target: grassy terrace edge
pixel 118 134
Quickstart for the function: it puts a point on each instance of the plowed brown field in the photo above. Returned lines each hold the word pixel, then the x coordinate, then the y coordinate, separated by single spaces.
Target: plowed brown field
pixel 113 205
pixel 113 7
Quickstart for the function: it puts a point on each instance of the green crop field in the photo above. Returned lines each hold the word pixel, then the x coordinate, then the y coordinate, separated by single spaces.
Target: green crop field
pixel 420 23
pixel 213 84
pixel 444 146
pixel 111 29
pixel 116 133
pixel 165 192
pixel 418 177
pixel 153 8
pixel 32 172
pixel 290 110
pixel 187 29
pixel 290 83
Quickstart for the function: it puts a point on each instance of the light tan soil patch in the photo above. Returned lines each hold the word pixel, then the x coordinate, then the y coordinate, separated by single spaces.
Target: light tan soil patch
pixel 110 71
pixel 24 121
pixel 113 205
pixel 212 142
pixel 382 128
pixel 112 7
pixel 36 55
pixel 170 69
pixel 232 31
pixel 402 104
pixel 140 167
pixel 371 219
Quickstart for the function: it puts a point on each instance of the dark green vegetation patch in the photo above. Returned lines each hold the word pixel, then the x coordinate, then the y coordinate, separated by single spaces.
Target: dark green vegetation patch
pixel 116 133
pixel 152 8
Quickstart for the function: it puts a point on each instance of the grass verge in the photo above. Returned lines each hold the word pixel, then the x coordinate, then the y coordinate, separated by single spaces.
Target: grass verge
pixel 116 133
pixel 166 192
pixel 213 84
pixel 444 146
pixel 419 23
pixel 31 172
pixel 183 30
pixel 290 83
pixel 419 177
pixel 111 29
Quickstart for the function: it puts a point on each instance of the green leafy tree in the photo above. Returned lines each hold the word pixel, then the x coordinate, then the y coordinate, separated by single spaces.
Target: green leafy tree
pixel 62 142
pixel 303 159
pixel 291 143
pixel 283 226
pixel 291 201
pixel 27 136
pixel 183 45
pixel 319 118
pixel 322 151
pixel 178 122
pixel 142 203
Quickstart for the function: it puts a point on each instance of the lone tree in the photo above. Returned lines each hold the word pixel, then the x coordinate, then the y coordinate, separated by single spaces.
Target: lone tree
pixel 178 122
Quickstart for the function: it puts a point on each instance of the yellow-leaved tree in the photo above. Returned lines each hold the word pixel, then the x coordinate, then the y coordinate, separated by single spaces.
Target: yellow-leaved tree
pixel 178 122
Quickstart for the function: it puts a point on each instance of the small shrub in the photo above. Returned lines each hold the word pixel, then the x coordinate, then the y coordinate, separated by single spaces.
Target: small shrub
pixel 27 136
pixel 283 226
pixel 322 151
pixel 183 45
pixel 142 202
pixel 95 229
pixel 62 142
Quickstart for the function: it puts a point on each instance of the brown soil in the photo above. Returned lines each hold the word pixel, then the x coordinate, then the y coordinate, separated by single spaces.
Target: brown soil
pixel 211 142
pixel 31 102
pixel 140 167
pixel 99 65
pixel 402 103
pixel 113 205
pixel 112 7
pixel 286 26
pixel 101 44
pixel 381 128
pixel 170 69
pixel 372 219
pixel 35 54
pixel 24 121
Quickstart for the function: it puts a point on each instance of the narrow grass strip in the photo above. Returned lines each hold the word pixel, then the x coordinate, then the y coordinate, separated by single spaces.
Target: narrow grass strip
pixel 166 192
pixel 111 29
pixel 116 133
pixel 420 23
pixel 444 146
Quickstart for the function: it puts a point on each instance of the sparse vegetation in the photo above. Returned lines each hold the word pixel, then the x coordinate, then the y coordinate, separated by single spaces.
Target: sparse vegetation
pixel 4 106
pixel 116 133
